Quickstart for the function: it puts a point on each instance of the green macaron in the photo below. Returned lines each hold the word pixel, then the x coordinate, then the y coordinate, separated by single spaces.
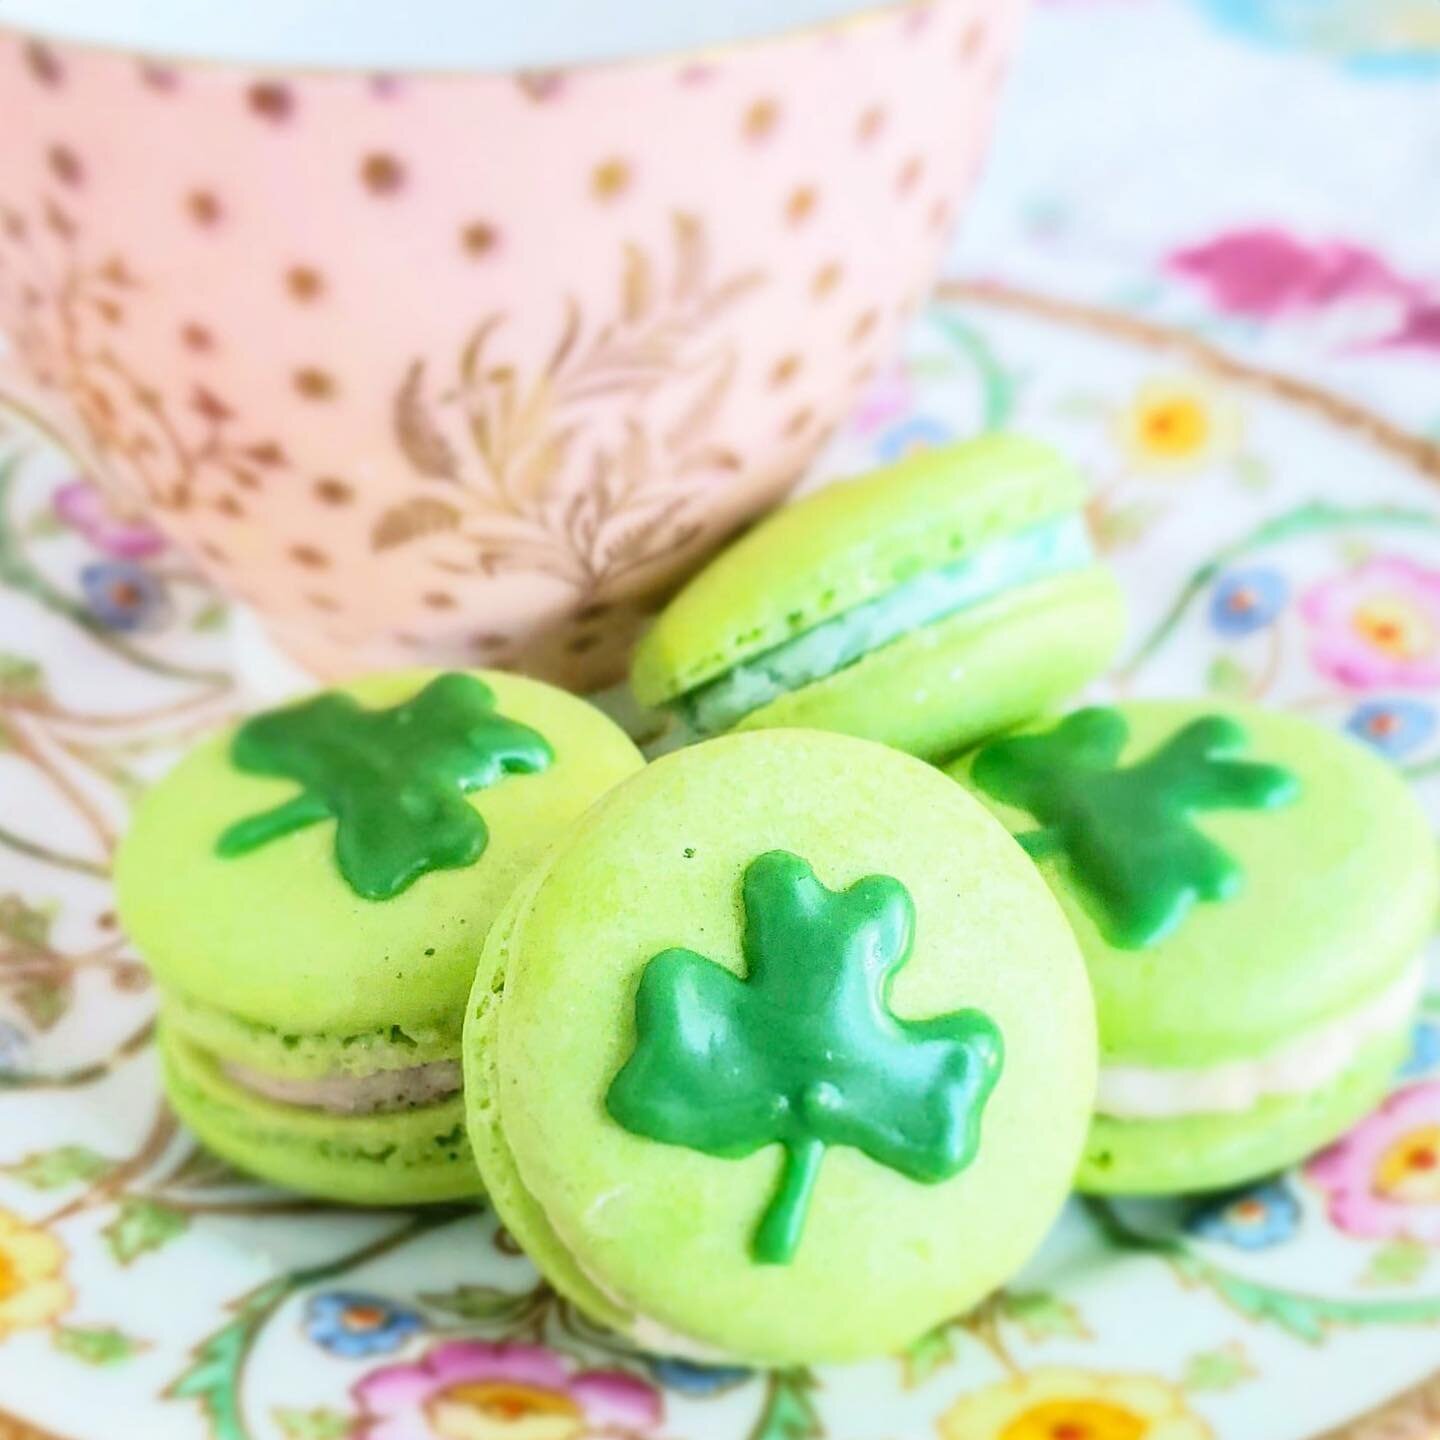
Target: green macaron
pixel 925 605
pixel 312 889
pixel 785 1054
pixel 1252 895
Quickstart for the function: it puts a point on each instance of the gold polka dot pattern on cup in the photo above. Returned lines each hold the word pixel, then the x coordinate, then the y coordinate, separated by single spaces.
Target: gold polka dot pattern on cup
pixel 862 375
pixel 939 214
pixel 41 62
pixel 331 491
pixel 229 505
pixel 314 384
pixel 610 179
pixel 270 100
pixel 305 283
pixel 478 238
pixel 972 41
pixel 801 204
pixel 211 551
pixel 827 277
pixel 310 557
pixel 245 479
pixel 65 165
pixel 864 326
pixel 204 207
pixel 196 337
pixel 489 641
pixel 784 371
pixel 58 221
pixel 15 226
pixel 761 119
pixel 382 174
pixel 318 601
pixel 439 599
pixel 159 78
pixel 870 124
pixel 799 423
pixel 110 311
pixel 910 173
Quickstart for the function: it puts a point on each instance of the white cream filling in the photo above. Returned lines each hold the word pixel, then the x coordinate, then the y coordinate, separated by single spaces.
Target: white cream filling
pixel 382 1090
pixel 1301 1064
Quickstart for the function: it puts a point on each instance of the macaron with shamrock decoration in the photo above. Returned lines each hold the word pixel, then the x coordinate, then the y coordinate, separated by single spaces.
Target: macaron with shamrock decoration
pixel 1253 896
pixel 312 889
pixel 925 605
pixel 812 1078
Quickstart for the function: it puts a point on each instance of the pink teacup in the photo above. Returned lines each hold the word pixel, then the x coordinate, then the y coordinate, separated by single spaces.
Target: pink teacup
pixel 467 366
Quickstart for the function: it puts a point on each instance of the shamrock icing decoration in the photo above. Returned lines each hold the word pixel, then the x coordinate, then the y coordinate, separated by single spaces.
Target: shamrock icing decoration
pixel 394 780
pixel 1129 831
pixel 804 1051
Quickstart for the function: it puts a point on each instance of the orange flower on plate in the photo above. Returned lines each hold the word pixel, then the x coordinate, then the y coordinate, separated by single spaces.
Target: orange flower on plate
pixel 33 1291
pixel 1176 425
pixel 1061 1404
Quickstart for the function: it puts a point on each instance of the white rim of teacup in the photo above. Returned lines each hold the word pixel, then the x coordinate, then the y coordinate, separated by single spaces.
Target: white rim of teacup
pixel 296 43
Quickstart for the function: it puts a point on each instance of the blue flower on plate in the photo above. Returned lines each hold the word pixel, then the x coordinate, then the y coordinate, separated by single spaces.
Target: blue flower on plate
pixel 1394 727
pixel 14 1042
pixel 910 437
pixel 1252 1219
pixel 124 596
pixel 1424 1053
pixel 355 1325
pixel 697 1380
pixel 1248 600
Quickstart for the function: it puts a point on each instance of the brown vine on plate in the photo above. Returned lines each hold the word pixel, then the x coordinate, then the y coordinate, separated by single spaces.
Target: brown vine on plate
pixel 64 313
pixel 528 475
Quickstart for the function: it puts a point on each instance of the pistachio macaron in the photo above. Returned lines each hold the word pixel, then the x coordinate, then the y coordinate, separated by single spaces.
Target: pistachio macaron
pixel 785 1054
pixel 311 890
pixel 1253 895
pixel 925 605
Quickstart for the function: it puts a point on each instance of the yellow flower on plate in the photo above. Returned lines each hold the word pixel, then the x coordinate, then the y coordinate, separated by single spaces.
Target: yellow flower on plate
pixel 32 1289
pixel 1060 1404
pixel 1176 425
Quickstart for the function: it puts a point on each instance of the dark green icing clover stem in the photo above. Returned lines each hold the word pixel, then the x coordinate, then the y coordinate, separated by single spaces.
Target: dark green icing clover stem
pixel 394 780
pixel 1128 832
pixel 803 1051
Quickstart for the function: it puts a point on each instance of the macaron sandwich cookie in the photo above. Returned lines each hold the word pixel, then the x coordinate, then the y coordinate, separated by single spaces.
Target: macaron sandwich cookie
pixel 311 891
pixel 813 1077
pixel 1252 895
pixel 925 605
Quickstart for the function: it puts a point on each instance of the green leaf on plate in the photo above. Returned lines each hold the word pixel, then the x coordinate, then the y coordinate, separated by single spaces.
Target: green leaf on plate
pixel 142 1226
pixel 211 617
pixel 54 1169
pixel 45 525
pixel 1400 1262
pixel 789 1412
pixel 20 675
pixel 25 924
pixel 96 1345
pixel 1252 472
pixel 1041 1315
pixel 1115 527
pixel 1226 676
pixel 317 1424
pixel 43 1000
pixel 481 1303
pixel 1221 1369
pixel 926 1356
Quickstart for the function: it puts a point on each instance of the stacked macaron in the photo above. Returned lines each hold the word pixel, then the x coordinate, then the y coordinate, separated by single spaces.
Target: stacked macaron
pixel 781 1048
pixel 311 891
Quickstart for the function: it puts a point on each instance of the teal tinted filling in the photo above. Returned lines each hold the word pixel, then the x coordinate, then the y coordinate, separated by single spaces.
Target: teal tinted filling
pixel 1021 558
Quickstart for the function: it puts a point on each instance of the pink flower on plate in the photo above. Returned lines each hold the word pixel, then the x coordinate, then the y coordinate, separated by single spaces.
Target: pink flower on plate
pixel 471 1390
pixel 1419 328
pixel 1377 625
pixel 86 509
pixel 1265 272
pixel 1383 1178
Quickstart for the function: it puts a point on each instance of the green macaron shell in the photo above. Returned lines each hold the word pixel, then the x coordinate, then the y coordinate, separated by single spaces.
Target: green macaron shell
pixel 402 1157
pixel 1337 896
pixel 981 670
pixel 846 545
pixel 302 974
pixel 1216 1151
pixel 656 1238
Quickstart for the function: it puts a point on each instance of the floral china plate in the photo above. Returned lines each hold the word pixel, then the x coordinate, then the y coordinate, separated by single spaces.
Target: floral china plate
pixel 1277 542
